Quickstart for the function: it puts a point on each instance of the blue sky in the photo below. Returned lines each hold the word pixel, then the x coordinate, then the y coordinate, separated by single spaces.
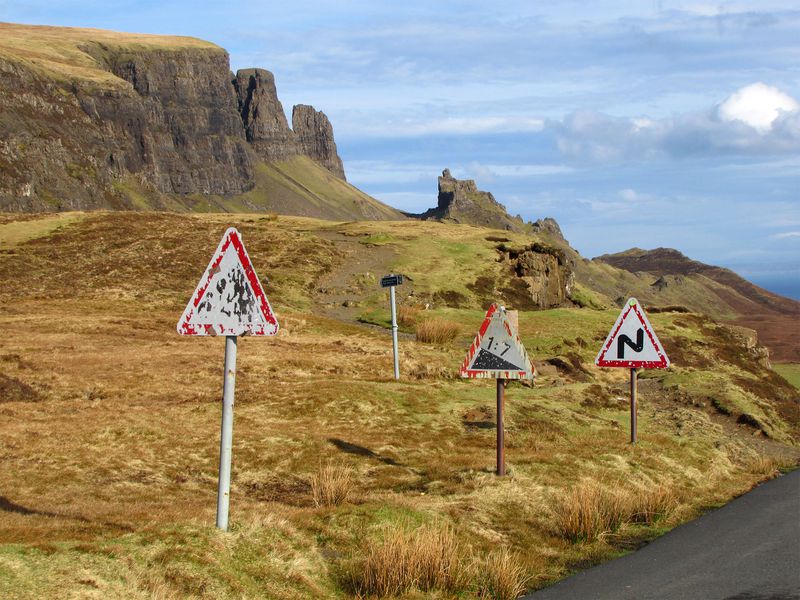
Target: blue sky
pixel 632 123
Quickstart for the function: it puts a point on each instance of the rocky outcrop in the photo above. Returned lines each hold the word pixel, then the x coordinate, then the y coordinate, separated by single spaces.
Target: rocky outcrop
pixel 460 201
pixel 269 133
pixel 548 226
pixel 143 125
pixel 262 115
pixel 543 275
pixel 315 138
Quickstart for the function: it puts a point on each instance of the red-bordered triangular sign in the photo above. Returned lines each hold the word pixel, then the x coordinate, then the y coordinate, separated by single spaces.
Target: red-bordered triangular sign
pixel 229 299
pixel 497 352
pixel 632 342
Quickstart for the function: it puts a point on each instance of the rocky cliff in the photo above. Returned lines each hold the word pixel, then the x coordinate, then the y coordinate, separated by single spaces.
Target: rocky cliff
pixel 93 119
pixel 460 201
pixel 268 132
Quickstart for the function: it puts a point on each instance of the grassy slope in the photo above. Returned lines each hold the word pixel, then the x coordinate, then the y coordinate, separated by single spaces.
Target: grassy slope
pixel 58 51
pixel 111 419
pixel 296 186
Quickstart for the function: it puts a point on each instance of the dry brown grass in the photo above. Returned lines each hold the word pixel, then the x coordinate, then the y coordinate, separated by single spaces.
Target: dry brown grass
pixel 427 559
pixel 408 315
pixel 502 577
pixel 437 331
pixel 120 451
pixel 589 511
pixel 331 485
pixel 653 504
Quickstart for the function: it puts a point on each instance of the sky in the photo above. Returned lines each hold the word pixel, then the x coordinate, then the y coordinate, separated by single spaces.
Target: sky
pixel 633 124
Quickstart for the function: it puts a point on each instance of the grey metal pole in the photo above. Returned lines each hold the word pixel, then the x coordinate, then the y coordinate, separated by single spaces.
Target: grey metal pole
pixel 394 334
pixel 633 406
pixel 226 436
pixel 501 445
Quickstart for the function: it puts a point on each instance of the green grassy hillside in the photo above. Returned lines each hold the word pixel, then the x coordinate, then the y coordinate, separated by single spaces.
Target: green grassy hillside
pixel 111 420
pixel 70 53
pixel 296 186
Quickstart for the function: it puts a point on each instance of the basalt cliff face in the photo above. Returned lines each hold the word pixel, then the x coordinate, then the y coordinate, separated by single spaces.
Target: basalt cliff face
pixel 92 119
pixel 268 132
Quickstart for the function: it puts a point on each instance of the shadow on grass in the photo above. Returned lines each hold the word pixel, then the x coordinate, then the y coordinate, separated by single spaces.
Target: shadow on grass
pixel 8 506
pixel 362 451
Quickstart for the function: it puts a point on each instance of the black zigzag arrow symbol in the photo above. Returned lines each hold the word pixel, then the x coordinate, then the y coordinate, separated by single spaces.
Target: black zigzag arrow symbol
pixel 624 339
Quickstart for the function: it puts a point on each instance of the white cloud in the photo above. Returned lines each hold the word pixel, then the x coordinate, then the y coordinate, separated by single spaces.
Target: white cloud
pixel 758 105
pixel 454 126
pixel 369 172
pixel 786 235
pixel 756 119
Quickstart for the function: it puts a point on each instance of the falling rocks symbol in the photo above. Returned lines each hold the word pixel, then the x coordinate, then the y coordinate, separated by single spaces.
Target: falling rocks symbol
pixel 487 360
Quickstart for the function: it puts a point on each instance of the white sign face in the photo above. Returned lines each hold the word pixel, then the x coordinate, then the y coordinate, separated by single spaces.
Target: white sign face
pixel 632 342
pixel 229 299
pixel 497 351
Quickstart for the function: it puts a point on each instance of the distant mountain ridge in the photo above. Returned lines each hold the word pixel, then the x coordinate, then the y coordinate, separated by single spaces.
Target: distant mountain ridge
pixel 775 318
pixel 96 119
pixel 668 261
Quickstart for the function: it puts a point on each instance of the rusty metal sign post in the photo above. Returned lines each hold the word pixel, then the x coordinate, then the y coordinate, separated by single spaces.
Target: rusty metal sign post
pixel 632 344
pixel 391 281
pixel 229 301
pixel 498 353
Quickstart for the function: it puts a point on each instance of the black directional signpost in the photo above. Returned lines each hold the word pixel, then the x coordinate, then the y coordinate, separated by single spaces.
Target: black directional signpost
pixel 632 344
pixel 497 353
pixel 391 281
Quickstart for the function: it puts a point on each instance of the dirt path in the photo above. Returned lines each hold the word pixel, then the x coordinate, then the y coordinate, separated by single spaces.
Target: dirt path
pixel 340 293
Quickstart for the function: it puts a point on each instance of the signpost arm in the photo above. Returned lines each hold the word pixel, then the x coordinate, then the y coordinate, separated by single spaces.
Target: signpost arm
pixel 394 333
pixel 501 452
pixel 633 406
pixel 226 436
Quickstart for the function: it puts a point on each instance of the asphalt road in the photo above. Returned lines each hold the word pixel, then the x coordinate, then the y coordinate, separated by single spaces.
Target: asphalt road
pixel 746 550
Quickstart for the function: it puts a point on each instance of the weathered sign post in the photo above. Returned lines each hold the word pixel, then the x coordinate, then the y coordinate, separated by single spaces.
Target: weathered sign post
pixel 632 344
pixel 229 301
pixel 391 281
pixel 498 353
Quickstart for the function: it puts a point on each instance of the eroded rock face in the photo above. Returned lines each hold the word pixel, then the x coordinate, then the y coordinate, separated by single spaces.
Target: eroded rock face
pixel 544 272
pixel 174 123
pixel 315 138
pixel 179 129
pixel 262 114
pixel 548 226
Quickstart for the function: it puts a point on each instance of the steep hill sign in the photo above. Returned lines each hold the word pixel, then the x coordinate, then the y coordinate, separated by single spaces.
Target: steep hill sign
pixel 498 353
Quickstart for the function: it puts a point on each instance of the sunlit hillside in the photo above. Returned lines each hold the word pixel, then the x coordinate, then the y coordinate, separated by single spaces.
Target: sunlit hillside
pixel 340 473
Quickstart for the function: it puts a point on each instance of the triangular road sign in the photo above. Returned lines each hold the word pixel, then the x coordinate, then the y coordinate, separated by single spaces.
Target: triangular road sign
pixel 229 299
pixel 497 352
pixel 632 342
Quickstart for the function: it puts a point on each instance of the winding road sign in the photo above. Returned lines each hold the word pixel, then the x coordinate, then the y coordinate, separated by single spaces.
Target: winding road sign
pixel 497 352
pixel 632 343
pixel 229 299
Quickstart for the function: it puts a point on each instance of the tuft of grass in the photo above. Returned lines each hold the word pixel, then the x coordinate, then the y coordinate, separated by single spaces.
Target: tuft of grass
pixel 437 331
pixel 764 467
pixel 651 505
pixel 408 315
pixel 502 577
pixel 427 559
pixel 590 511
pixel 331 485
